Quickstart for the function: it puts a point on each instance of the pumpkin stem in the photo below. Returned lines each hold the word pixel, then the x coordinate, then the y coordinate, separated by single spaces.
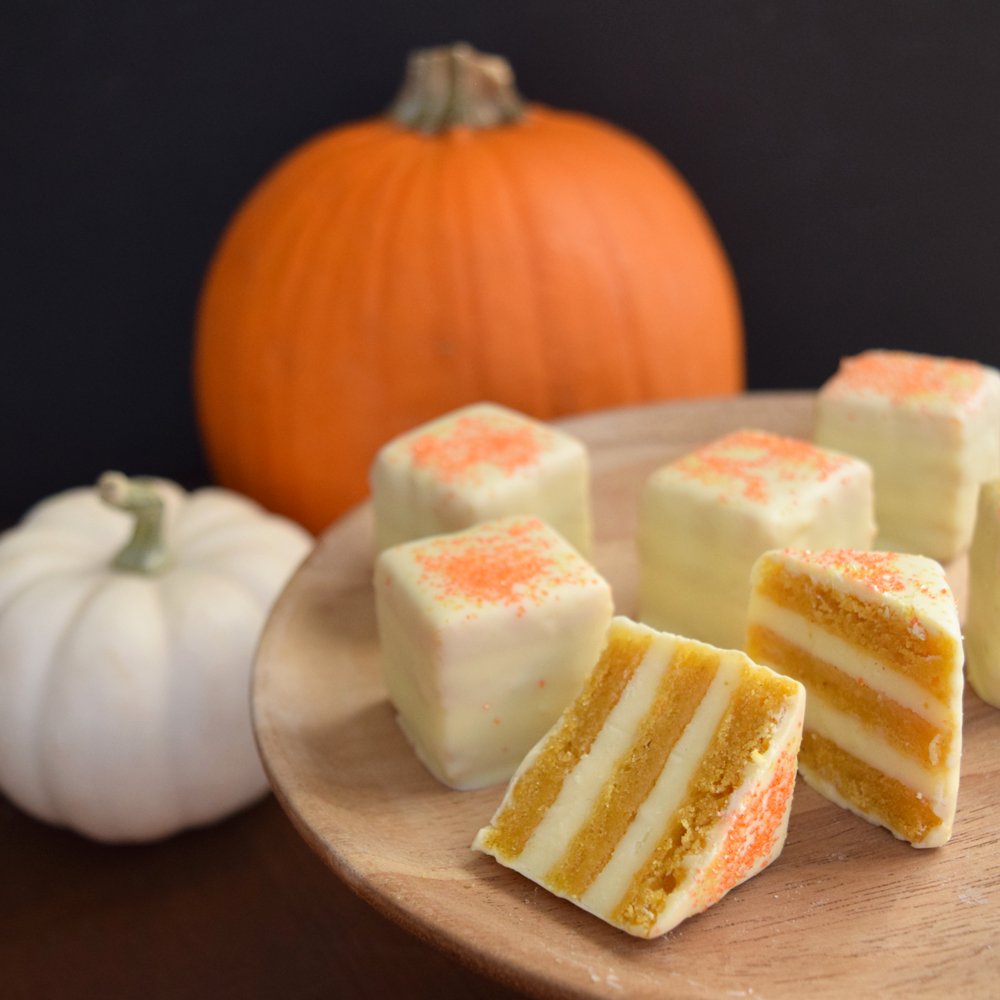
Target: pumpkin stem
pixel 456 86
pixel 146 551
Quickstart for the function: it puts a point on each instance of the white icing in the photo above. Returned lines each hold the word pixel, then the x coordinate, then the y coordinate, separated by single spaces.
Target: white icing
pixel 412 501
pixel 698 540
pixel 929 457
pixel 982 628
pixel 476 684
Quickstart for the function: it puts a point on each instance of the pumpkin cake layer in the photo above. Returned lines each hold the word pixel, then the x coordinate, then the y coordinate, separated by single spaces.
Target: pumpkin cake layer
pixel 666 783
pixel 982 627
pixel 485 635
pixel 930 429
pixel 706 517
pixel 874 637
pixel 477 464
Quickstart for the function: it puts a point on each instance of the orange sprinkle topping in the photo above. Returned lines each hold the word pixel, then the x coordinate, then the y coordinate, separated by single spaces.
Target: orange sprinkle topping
pixel 753 833
pixel 878 570
pixel 904 377
pixel 881 571
pixel 474 442
pixel 749 459
pixel 510 565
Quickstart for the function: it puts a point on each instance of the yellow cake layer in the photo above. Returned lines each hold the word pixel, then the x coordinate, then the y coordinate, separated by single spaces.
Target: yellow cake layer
pixel 915 653
pixel 539 786
pixel 744 731
pixel 900 727
pixel 680 692
pixel 895 805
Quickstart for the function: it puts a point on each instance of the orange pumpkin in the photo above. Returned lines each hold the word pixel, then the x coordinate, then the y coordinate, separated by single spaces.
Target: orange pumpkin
pixel 463 247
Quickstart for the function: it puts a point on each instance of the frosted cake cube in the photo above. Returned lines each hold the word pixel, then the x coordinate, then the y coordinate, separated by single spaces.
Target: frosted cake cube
pixel 706 517
pixel 477 464
pixel 665 784
pixel 930 429
pixel 485 636
pixel 982 626
pixel 874 637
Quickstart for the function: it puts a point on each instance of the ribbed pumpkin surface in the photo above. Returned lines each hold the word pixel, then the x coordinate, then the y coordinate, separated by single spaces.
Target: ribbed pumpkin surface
pixel 379 277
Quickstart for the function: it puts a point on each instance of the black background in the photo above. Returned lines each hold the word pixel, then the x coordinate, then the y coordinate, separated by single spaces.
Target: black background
pixel 848 152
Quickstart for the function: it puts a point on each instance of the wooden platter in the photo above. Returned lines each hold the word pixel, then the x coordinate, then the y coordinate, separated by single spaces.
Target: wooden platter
pixel 846 911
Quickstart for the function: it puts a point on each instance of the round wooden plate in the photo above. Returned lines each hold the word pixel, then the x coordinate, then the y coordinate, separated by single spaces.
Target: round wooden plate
pixel 846 910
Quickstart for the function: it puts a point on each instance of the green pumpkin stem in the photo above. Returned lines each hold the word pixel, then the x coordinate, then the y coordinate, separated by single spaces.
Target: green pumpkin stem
pixel 146 551
pixel 456 86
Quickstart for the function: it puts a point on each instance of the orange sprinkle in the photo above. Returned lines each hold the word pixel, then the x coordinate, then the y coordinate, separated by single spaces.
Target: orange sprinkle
pixel 472 443
pixel 511 566
pixel 747 459
pixel 904 377
pixel 752 836
pixel 878 570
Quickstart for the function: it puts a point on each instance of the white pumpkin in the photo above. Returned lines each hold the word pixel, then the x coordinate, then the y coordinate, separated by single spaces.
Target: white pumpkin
pixel 125 664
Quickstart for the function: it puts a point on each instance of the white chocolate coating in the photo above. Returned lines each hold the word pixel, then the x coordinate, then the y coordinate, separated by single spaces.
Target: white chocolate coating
pixel 705 518
pixel 485 636
pixel 982 626
pixel 477 464
pixel 930 428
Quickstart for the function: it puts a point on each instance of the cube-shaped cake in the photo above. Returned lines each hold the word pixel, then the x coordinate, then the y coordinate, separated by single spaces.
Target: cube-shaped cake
pixel 664 785
pixel 930 429
pixel 706 517
pixel 477 464
pixel 874 637
pixel 485 636
pixel 982 626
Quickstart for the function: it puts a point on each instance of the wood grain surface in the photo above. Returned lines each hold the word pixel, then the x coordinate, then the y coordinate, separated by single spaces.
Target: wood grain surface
pixel 846 910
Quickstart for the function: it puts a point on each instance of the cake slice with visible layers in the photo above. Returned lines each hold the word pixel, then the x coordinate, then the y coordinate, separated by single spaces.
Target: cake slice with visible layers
pixel 875 638
pixel 982 626
pixel 666 783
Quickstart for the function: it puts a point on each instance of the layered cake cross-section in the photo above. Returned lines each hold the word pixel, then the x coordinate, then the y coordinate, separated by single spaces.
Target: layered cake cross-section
pixel 875 639
pixel 667 782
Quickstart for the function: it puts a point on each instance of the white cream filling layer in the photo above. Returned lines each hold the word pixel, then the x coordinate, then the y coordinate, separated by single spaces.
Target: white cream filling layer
pixel 855 663
pixel 854 737
pixel 579 791
pixel 662 802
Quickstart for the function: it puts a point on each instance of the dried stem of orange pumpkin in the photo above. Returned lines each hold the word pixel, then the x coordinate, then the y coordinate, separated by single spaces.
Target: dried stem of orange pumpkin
pixel 456 87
